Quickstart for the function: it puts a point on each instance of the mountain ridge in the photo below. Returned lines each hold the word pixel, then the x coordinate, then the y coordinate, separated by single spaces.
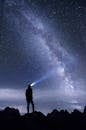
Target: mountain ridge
pixel 10 119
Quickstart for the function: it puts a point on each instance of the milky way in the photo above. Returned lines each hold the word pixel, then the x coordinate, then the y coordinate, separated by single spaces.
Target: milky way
pixel 35 49
pixel 42 44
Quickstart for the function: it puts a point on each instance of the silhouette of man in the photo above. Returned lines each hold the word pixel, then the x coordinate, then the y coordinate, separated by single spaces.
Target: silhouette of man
pixel 29 98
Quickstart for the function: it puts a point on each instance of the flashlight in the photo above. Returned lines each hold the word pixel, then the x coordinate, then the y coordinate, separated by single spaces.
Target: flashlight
pixel 32 84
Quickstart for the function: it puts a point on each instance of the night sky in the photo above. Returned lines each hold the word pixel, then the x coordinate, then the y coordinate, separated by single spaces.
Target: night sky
pixel 43 42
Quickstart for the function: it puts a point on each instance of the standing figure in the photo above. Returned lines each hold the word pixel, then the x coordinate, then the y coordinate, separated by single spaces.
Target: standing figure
pixel 29 98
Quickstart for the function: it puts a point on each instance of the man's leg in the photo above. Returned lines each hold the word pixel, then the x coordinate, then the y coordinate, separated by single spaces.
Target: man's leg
pixel 32 105
pixel 28 104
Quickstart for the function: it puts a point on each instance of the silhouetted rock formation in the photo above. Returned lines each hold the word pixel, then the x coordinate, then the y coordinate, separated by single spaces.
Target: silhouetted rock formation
pixel 9 113
pixel 11 119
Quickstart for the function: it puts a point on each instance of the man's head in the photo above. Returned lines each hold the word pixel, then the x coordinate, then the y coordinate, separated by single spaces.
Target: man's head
pixel 29 86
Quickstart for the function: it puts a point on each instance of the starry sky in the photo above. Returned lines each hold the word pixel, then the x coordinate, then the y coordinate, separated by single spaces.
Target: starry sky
pixel 43 42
